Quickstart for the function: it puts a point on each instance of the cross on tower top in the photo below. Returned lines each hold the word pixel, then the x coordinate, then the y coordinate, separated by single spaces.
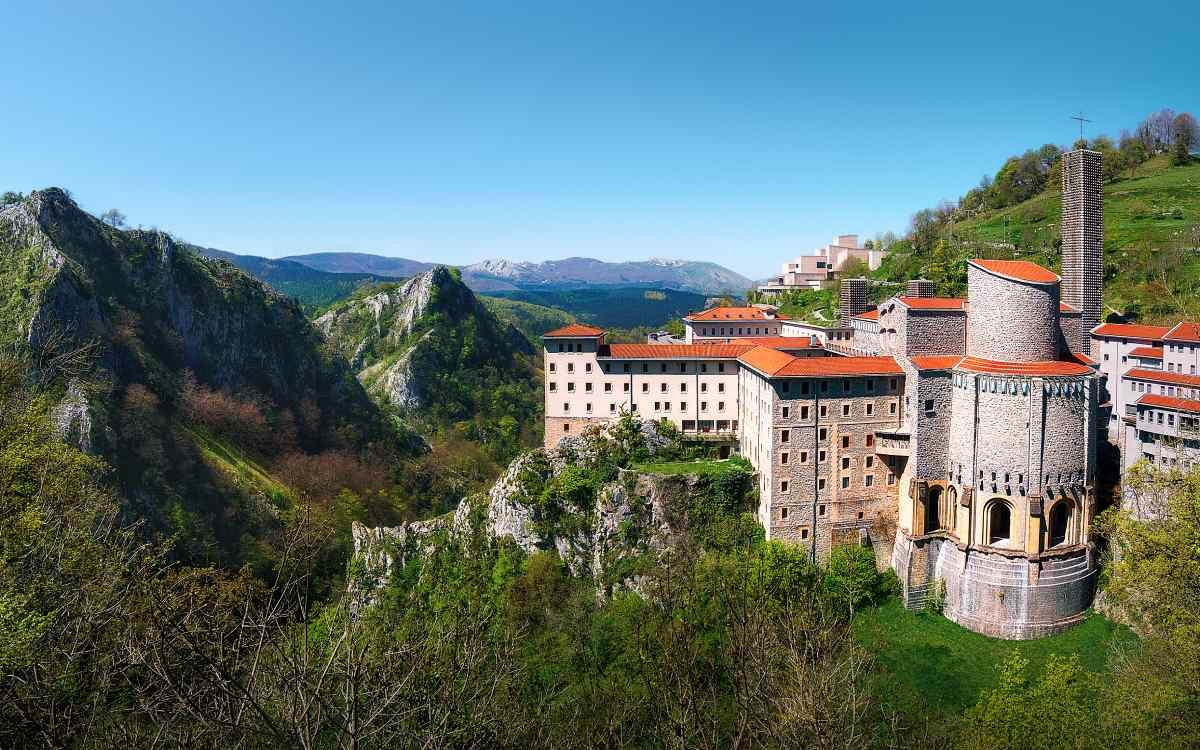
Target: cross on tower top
pixel 1082 120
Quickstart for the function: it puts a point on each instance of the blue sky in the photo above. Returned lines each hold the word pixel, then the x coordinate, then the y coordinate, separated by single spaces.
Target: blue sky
pixel 738 133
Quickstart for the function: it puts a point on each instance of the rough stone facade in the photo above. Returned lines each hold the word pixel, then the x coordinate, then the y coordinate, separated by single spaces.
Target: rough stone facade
pixel 1011 320
pixel 1083 234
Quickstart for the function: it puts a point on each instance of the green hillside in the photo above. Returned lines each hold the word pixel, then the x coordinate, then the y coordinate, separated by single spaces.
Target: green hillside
pixel 1151 238
pixel 530 319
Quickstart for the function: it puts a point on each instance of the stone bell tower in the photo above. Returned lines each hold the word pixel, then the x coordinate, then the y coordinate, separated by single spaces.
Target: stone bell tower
pixel 1083 235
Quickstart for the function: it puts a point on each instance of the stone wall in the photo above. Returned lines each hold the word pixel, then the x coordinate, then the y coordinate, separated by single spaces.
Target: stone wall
pixel 1010 320
pixel 559 427
pixel 1003 596
pixel 935 332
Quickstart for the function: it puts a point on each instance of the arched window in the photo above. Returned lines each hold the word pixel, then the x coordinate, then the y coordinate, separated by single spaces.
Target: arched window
pixel 933 510
pixel 999 523
pixel 1060 523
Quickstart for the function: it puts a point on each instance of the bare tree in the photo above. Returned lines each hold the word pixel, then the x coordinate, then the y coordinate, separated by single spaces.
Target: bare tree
pixel 113 217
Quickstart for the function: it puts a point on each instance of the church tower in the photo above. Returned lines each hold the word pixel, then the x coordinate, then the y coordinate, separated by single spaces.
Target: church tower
pixel 1082 235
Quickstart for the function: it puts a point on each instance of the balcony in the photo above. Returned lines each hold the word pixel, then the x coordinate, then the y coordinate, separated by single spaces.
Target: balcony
pixel 893 443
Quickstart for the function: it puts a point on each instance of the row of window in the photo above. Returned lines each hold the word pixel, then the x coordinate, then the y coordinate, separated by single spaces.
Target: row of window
pixel 846 410
pixel 1172 367
pixel 785 436
pixel 1164 390
pixel 741 331
pixel 646 367
pixel 823 456
pixel 608 387
pixel 659 406
pixel 868 481
pixel 823 386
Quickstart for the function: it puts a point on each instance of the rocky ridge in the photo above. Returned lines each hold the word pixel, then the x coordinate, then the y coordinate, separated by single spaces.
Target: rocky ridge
pixel 636 514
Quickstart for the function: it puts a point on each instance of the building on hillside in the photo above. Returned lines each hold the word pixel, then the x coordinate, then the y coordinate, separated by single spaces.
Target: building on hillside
pixel 920 288
pixel 957 437
pixel 813 271
pixel 1152 390
pixel 732 322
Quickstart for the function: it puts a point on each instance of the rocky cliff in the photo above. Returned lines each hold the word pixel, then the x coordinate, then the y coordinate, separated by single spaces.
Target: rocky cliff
pixel 428 344
pixel 609 533
pixel 187 375
pixel 151 310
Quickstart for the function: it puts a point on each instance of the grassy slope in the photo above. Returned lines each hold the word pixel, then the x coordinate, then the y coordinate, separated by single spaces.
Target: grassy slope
pixel 1146 219
pixel 703 467
pixel 932 664
pixel 528 318
pixel 238 467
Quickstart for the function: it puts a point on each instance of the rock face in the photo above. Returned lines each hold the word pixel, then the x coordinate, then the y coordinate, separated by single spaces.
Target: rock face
pixel 637 514
pixel 407 340
pixel 146 310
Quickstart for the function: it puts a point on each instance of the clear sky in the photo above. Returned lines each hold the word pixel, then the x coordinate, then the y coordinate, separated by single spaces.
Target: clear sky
pixel 742 133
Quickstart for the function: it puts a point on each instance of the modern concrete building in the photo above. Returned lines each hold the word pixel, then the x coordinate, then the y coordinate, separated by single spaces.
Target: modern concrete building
pixel 812 271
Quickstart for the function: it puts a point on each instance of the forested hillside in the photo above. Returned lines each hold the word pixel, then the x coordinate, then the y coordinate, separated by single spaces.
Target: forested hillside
pixel 1151 222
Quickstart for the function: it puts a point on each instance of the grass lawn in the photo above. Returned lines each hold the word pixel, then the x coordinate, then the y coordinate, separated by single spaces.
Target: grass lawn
pixel 702 467
pixel 930 663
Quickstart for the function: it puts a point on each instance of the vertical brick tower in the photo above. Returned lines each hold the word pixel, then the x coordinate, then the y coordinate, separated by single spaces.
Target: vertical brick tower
pixel 920 288
pixel 853 299
pixel 1082 235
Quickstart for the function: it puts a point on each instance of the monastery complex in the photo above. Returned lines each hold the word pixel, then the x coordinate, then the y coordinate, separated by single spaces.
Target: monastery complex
pixel 956 437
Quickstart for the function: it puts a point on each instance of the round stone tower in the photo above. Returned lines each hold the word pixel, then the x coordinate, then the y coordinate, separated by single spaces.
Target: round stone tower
pixel 1003 531
pixel 1014 311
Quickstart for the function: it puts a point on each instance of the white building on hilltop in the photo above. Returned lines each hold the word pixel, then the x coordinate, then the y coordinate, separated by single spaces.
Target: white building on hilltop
pixel 811 271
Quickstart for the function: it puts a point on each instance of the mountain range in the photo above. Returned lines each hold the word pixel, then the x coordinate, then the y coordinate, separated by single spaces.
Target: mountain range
pixel 289 274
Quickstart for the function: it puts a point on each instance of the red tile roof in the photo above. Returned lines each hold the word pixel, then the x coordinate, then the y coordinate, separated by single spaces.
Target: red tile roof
pixel 735 313
pixel 1021 270
pixel 1082 359
pixel 1147 352
pixel 1046 368
pixel 801 367
pixel 674 351
pixel 1184 332
pixel 766 360
pixel 1130 331
pixel 1169 402
pixel 1063 307
pixel 774 363
pixel 936 362
pixel 869 315
pixel 574 330
pixel 932 303
pixel 1160 376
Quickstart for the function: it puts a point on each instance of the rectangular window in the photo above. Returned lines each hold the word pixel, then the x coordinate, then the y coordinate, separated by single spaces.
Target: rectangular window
pixel 928 404
pixel 608 387
pixel 720 367
pixel 820 484
pixel 870 409
pixel 892 384
pixel 783 486
pixel 821 455
pixel 703 367
pixel 589 407
pixel 804 533
pixel 783 458
pixel 587 387
pixel 869 461
pixel 845 441
pixel 566 406
pixel 823 433
pixel 645 367
pixel 570 367
pixel 704 387
pixel 845 483
pixel 783 511
pixel 845 463
pixel 803 457
pixel 551 367
pixel 645 387
pixel 553 387
pixel 625 367
pixel 784 435
pixel 662 366
pixel 868 480
pixel 892 408
pixel 587 367
pixel 845 410
pixel 683 387
pixel 570 387
pixel 663 388
pixel 703 406
pixel 720 406
pixel 869 440
pixel 824 411
pixel 804 412
pixel 820 510
pixel 682 406
pixel 625 387
pixel 657 406
pixel 720 387
pixel 785 410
